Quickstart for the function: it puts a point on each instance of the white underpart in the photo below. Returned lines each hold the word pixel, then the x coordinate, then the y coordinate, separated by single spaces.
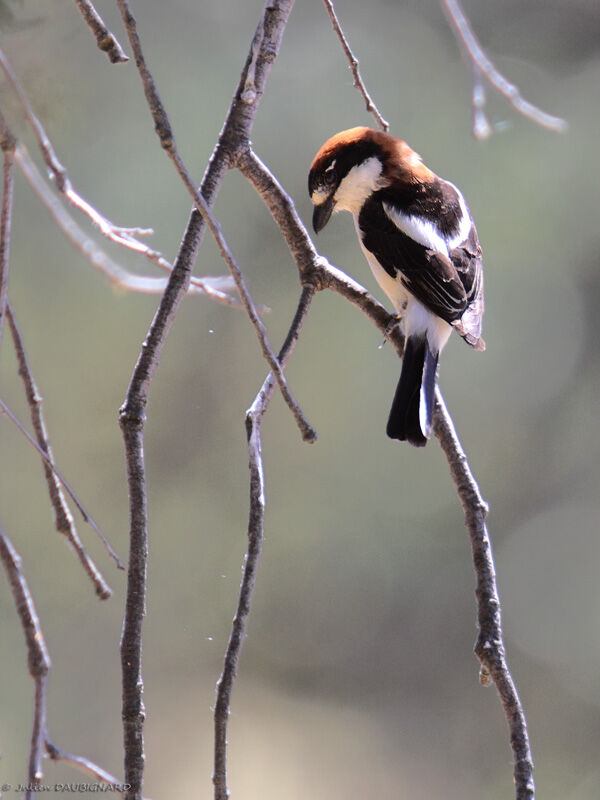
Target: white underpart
pixel 360 183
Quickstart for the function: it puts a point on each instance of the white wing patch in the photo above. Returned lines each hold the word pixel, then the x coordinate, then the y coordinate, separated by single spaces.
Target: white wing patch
pixel 426 232
pixel 420 230
pixel 464 227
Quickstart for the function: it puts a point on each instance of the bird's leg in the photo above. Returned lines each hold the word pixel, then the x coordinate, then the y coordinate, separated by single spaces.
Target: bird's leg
pixel 395 320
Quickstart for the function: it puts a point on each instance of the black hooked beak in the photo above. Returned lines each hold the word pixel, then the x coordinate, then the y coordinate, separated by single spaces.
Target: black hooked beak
pixel 322 213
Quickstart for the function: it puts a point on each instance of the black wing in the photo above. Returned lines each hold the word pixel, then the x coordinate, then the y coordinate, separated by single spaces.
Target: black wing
pixel 428 275
pixel 467 262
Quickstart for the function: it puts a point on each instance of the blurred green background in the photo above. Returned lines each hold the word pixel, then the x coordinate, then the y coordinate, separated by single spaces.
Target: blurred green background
pixel 357 677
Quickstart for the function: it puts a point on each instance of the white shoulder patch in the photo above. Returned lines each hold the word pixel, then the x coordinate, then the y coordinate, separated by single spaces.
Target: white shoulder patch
pixel 426 232
pixel 465 222
pixel 420 230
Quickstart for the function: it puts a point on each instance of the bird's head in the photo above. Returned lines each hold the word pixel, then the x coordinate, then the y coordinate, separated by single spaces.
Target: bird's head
pixel 354 164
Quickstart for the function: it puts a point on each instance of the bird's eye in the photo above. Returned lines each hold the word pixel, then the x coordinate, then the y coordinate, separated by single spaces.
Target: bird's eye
pixel 329 174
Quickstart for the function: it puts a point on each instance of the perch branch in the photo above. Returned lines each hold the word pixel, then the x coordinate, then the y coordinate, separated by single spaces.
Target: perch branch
pixel 167 140
pixel 38 659
pixel 254 417
pixel 321 274
pixel 353 62
pixel 214 287
pixel 4 409
pixel 104 38
pixel 489 647
pixel 236 129
pixel 483 66
pixel 63 519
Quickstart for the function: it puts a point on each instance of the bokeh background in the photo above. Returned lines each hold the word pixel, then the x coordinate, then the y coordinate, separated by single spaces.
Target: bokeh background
pixel 357 677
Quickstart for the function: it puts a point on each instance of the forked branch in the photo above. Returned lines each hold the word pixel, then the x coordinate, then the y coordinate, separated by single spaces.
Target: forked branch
pixel 483 67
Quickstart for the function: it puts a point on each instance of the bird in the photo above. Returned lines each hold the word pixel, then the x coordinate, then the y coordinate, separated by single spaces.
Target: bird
pixel 417 234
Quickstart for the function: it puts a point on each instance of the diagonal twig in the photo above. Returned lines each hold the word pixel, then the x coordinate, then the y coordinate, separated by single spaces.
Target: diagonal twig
pixel 38 658
pixel 126 237
pixel 353 62
pixel 167 140
pixel 104 38
pixel 4 409
pixel 483 67
pixel 63 519
pixel 108 782
pixel 254 417
pixel 217 288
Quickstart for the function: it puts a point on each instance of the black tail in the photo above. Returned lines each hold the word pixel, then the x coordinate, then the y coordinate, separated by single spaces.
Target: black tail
pixel 411 415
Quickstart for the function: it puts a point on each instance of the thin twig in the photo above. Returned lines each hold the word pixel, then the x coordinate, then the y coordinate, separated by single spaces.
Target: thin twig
pixel 216 288
pixel 63 519
pixel 490 645
pixel 353 62
pixel 126 237
pixel 486 68
pixel 108 782
pixel 254 417
pixel 167 140
pixel 236 131
pixel 7 144
pixel 4 409
pixel 38 659
pixel 104 38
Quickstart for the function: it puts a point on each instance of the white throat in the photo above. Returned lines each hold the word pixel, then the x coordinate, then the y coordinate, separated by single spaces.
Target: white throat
pixel 359 183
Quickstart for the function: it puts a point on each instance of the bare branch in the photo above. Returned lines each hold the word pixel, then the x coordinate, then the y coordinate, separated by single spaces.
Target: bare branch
pixel 236 130
pixel 4 409
pixel 353 62
pixel 63 519
pixel 217 288
pixel 167 140
pixel 490 647
pixel 254 417
pixel 120 235
pixel 7 144
pixel 38 659
pixel 490 644
pixel 483 66
pixel 104 38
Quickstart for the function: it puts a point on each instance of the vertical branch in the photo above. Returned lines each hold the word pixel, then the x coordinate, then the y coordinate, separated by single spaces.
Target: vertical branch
pixel 489 647
pixel 235 132
pixel 8 145
pixel 38 658
pixel 254 417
